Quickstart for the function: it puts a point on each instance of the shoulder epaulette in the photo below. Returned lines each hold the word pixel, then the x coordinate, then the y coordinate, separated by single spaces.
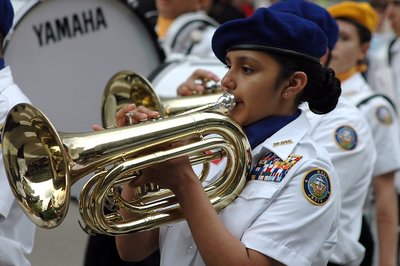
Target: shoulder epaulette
pixel 367 99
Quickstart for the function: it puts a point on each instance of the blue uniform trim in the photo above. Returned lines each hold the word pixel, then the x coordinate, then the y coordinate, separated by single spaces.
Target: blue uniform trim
pixel 265 128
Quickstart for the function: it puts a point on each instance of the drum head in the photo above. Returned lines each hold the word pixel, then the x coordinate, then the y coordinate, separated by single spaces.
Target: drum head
pixel 62 54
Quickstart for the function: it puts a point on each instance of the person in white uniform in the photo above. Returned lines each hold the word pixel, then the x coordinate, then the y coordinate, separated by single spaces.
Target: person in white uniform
pixel 384 64
pixel 17 232
pixel 184 28
pixel 356 23
pixel 346 135
pixel 290 205
pixel 344 132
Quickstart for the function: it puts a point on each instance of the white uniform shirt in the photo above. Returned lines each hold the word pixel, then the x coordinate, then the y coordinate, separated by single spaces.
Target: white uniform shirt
pixel 395 63
pixel 346 136
pixel 16 230
pixel 275 218
pixel 383 122
pixel 384 77
pixel 190 33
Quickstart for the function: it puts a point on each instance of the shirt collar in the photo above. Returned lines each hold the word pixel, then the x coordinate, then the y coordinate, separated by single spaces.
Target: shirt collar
pixel 354 85
pixel 265 128
pixel 284 141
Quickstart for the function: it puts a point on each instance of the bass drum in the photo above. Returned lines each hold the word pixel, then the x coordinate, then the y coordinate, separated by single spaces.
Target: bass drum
pixel 166 78
pixel 62 54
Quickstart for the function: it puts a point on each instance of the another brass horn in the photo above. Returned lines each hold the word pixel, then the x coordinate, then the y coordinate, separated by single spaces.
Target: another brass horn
pixel 126 87
pixel 42 165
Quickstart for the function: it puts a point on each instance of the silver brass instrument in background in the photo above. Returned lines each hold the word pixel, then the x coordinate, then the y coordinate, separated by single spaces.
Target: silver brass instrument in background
pixel 126 87
pixel 42 165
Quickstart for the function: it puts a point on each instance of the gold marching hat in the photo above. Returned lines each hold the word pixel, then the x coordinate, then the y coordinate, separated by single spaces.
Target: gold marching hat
pixel 362 13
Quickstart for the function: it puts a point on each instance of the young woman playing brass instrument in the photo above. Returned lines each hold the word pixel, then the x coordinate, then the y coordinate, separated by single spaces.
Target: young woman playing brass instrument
pixel 288 212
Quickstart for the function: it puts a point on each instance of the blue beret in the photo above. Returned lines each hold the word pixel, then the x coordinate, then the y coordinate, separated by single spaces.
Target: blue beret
pixel 312 12
pixel 271 31
pixel 6 16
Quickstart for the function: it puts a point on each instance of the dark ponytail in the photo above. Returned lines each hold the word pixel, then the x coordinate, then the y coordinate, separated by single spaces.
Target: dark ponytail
pixel 323 89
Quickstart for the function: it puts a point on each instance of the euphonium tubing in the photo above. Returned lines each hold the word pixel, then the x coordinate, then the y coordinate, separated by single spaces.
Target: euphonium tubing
pixel 42 165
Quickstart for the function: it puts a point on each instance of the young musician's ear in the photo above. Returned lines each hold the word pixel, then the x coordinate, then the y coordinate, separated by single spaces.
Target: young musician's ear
pixel 297 82
pixel 363 51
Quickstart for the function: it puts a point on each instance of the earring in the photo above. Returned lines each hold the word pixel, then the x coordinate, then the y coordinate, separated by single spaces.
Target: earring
pixel 285 94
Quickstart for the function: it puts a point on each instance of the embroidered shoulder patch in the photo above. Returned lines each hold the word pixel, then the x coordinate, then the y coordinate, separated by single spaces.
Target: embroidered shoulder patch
pixel 272 168
pixel 317 186
pixel 346 137
pixel 384 116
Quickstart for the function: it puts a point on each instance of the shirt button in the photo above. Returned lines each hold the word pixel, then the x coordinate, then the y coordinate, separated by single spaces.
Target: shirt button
pixel 190 249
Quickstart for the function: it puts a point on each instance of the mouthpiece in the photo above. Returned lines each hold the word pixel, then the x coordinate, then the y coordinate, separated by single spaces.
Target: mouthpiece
pixel 227 101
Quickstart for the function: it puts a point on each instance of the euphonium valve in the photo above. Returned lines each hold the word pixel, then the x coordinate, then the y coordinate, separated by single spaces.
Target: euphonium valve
pixel 42 165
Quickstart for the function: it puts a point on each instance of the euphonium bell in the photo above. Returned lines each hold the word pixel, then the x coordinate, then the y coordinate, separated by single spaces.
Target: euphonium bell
pixel 42 165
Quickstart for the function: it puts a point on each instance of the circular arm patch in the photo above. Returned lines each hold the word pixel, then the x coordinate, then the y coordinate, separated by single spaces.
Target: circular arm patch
pixel 384 116
pixel 317 186
pixel 346 137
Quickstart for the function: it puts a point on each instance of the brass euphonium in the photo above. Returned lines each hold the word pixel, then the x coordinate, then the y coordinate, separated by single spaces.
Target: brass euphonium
pixel 127 87
pixel 42 165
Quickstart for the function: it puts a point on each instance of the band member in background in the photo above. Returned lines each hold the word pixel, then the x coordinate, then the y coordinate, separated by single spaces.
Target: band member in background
pixel 357 22
pixel 183 27
pixel 288 216
pixel 17 232
pixel 347 136
pixel 225 10
pixel 147 8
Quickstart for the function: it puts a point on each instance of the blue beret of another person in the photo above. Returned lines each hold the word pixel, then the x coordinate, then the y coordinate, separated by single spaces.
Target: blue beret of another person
pixel 6 17
pixel 271 31
pixel 313 12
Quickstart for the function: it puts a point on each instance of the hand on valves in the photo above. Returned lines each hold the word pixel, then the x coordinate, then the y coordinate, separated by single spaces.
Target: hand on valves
pixel 192 85
pixel 163 174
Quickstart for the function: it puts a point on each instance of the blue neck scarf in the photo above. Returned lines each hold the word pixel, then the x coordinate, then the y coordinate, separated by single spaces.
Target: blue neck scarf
pixel 2 63
pixel 265 128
